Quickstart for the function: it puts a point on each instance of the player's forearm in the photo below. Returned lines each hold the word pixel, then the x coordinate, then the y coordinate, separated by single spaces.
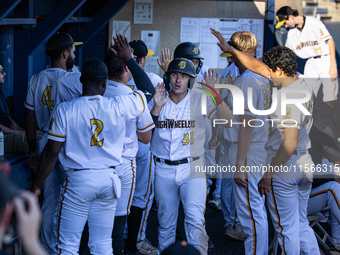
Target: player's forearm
pixel 141 79
pixel 7 130
pixel 223 112
pixel 251 63
pixel 30 130
pixel 331 45
pixel 47 161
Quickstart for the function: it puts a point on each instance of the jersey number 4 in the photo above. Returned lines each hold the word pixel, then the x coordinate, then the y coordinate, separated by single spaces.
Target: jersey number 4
pixel 46 98
pixel 97 131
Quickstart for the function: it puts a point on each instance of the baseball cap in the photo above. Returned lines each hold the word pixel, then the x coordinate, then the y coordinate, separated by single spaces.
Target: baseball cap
pixel 282 15
pixel 140 50
pixel 61 40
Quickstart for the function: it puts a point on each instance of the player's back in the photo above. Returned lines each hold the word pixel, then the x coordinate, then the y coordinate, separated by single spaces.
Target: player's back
pixel 93 128
pixel 49 88
pixel 261 93
pixel 294 118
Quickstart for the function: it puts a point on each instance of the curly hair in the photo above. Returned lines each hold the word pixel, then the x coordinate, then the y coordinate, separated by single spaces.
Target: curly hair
pixel 283 58
pixel 115 66
pixel 244 41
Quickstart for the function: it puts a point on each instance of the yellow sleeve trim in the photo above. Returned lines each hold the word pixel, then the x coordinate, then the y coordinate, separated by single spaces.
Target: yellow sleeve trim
pixel 29 104
pixel 61 136
pixel 141 99
pixel 325 36
pixel 145 127
pixel 211 112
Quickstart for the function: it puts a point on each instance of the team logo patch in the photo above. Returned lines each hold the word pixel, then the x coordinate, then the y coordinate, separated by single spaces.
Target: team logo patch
pixel 182 64
pixel 195 50
pixel 288 113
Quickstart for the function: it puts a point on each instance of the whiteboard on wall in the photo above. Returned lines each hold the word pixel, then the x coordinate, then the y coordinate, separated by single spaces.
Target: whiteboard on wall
pixel 197 30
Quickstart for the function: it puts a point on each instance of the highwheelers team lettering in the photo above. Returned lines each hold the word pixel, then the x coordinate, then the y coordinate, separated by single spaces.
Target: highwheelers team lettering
pixel 171 123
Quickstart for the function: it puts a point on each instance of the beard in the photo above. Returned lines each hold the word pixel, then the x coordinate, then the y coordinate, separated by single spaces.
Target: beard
pixel 69 63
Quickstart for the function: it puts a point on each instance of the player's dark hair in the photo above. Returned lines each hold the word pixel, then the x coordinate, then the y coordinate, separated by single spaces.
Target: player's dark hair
pixel 295 13
pixel 115 65
pixel 56 54
pixel 283 58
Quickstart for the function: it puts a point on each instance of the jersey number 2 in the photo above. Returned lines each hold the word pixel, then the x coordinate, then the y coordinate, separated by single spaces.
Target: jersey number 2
pixel 97 131
pixel 48 101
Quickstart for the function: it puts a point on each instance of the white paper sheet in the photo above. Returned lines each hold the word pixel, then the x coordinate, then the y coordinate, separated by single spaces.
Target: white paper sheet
pixel 143 12
pixel 205 33
pixel 151 39
pixel 210 53
pixel 123 27
pixel 190 30
pixel 152 65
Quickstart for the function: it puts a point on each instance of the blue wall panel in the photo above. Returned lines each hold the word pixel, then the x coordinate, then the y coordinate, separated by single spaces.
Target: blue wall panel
pixel 6 57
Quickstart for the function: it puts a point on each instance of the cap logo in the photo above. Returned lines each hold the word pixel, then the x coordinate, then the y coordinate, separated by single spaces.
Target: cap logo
pixel 195 50
pixel 182 64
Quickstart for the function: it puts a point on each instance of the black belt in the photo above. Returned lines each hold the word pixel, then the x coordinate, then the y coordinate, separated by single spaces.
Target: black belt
pixel 175 162
pixel 319 56
pixel 114 167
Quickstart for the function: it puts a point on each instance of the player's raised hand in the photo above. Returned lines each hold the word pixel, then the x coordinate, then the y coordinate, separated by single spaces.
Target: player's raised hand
pixel 225 47
pixel 122 48
pixel 263 186
pixel 210 79
pixel 166 59
pixel 159 99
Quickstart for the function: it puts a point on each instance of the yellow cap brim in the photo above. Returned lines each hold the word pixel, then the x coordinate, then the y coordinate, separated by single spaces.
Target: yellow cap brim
pixel 150 53
pixel 77 43
pixel 279 24
pixel 225 54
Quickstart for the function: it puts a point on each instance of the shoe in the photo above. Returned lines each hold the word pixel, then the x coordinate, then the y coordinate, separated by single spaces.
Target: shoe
pixel 334 251
pixel 237 233
pixel 215 204
pixel 145 247
pixel 210 245
pixel 227 229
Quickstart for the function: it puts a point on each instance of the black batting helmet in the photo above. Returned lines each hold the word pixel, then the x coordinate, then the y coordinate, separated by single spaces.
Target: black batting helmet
pixel 181 65
pixel 189 50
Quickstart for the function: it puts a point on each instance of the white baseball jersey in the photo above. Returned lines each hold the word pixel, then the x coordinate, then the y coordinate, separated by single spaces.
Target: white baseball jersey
pixel 49 88
pixel 229 74
pixel 154 78
pixel 142 123
pixel 261 101
pixel 293 115
pixel 200 74
pixel 92 129
pixel 180 131
pixel 311 41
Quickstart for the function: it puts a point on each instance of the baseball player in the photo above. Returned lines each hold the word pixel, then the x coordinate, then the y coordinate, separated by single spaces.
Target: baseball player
pixel 287 148
pixel 177 146
pixel 232 225
pixel 248 150
pixel 92 187
pixel 119 74
pixel 45 91
pixel 144 190
pixel 310 39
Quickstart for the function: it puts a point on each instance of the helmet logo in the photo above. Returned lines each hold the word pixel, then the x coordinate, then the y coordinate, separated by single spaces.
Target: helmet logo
pixel 195 50
pixel 182 64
